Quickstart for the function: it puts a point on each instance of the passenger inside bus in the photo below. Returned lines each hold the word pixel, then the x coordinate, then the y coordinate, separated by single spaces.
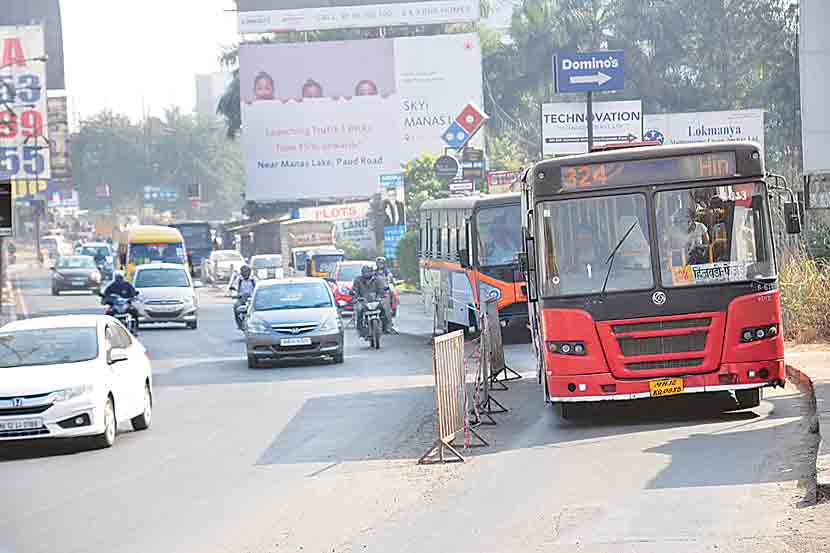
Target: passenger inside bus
pixel 499 239
pixel 688 238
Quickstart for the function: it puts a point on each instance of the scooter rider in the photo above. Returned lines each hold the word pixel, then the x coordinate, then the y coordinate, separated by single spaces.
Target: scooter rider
pixel 382 271
pixel 364 286
pixel 121 288
pixel 244 287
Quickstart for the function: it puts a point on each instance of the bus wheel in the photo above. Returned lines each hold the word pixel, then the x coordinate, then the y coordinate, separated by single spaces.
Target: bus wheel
pixel 747 399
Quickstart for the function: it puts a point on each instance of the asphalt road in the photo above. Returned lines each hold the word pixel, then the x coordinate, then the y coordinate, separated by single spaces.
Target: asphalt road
pixel 322 458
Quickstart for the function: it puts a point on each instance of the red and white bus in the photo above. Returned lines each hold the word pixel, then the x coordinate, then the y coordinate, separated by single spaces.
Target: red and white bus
pixel 651 272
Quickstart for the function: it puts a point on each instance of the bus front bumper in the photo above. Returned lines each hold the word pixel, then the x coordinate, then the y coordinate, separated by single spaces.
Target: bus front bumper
pixel 604 387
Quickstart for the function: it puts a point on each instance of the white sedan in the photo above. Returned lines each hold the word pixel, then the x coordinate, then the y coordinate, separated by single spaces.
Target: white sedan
pixel 71 377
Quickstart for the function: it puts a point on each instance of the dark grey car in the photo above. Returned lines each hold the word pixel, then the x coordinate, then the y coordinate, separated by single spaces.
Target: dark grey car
pixel 293 318
pixel 75 272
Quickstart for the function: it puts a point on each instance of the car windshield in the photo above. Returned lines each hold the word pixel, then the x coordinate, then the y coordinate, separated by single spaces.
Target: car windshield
pixel 76 262
pixel 48 346
pixel 95 251
pixel 228 256
pixel 141 254
pixel 161 278
pixel 303 295
pixel 349 272
pixel 713 235
pixel 579 236
pixel 499 235
pixel 266 262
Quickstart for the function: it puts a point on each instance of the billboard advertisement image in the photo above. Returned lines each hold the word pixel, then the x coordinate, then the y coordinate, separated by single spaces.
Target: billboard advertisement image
pixel 351 222
pixel 565 127
pixel 24 149
pixel 705 126
pixel 326 119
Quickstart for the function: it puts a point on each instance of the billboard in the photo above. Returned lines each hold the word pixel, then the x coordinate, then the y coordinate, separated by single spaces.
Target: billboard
pixel 565 127
pixel 814 67
pixel 327 119
pixel 59 137
pixel 48 12
pixel 351 221
pixel 257 16
pixel 24 149
pixel 705 126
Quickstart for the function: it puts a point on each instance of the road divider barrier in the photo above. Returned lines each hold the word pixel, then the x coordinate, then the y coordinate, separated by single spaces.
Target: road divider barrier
pixel 450 400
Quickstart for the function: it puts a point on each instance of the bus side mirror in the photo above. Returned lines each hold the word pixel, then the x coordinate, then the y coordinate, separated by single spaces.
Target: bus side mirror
pixel 464 258
pixel 792 218
pixel 523 264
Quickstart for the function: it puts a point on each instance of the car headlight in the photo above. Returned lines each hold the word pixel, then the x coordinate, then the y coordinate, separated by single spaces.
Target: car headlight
pixel 71 393
pixel 489 292
pixel 256 326
pixel 332 324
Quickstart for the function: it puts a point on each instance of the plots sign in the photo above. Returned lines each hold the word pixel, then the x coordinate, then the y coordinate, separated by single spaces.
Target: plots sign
pixel 705 126
pixel 565 127
pixel 24 148
pixel 351 221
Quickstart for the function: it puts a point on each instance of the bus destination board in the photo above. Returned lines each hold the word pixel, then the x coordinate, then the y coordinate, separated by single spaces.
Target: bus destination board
pixel 650 171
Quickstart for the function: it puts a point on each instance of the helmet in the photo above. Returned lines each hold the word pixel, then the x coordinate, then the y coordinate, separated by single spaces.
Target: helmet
pixel 245 271
pixel 366 271
pixel 380 262
pixel 118 276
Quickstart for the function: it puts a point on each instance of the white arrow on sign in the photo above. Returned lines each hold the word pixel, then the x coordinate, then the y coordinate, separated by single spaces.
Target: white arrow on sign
pixel 599 79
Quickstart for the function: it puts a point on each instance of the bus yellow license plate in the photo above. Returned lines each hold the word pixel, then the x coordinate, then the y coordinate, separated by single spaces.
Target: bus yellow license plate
pixel 666 387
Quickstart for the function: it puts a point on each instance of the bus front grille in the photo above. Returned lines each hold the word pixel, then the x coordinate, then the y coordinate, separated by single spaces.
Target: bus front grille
pixel 667 364
pixel 658 345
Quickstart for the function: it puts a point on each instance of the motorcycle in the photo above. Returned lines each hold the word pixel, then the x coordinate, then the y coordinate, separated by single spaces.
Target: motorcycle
pixel 240 310
pixel 372 321
pixel 119 308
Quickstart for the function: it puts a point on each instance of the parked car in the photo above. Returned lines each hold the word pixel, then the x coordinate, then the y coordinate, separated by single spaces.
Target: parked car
pixel 77 376
pixel 221 265
pixel 341 282
pixel 75 273
pixel 166 295
pixel 267 266
pixel 293 318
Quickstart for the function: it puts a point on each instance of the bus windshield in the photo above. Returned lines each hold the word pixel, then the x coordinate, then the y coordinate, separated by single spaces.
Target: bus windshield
pixel 499 235
pixel 579 236
pixel 141 254
pixel 713 235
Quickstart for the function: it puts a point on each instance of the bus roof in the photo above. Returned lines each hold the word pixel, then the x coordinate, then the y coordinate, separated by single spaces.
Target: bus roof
pixel 472 202
pixel 150 234
pixel 647 166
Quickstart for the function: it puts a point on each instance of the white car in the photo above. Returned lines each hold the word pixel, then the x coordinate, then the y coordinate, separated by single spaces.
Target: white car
pixel 71 377
pixel 267 266
pixel 221 264
pixel 166 294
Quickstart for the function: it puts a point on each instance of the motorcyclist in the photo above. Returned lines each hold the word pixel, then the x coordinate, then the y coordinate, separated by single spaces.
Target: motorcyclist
pixel 382 271
pixel 244 286
pixel 364 286
pixel 120 287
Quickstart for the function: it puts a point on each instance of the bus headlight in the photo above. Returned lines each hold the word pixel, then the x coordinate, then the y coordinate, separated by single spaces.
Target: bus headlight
pixel 488 292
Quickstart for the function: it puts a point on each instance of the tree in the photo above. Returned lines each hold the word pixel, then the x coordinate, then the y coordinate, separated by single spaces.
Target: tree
pixel 421 185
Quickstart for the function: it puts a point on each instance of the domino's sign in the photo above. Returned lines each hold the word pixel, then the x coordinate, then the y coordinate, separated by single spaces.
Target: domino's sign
pixel 589 71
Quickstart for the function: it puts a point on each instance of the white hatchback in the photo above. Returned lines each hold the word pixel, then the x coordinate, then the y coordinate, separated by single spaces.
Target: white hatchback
pixel 70 377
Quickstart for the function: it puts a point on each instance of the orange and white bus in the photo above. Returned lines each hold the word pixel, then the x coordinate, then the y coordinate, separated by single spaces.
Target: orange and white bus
pixel 470 250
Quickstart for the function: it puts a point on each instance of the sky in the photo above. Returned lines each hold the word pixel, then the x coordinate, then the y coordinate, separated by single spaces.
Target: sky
pixel 133 57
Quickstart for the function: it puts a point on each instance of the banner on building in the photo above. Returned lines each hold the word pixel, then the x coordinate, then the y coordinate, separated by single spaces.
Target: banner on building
pixel 705 126
pixel 24 148
pixel 281 16
pixel 327 119
pixel 59 138
pixel 565 126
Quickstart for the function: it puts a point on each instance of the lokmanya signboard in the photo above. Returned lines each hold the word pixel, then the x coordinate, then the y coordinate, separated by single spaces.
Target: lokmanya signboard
pixel 262 16
pixel 705 126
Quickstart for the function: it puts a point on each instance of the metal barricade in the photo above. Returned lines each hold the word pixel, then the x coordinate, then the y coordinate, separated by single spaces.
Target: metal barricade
pixel 450 398
pixel 491 359
pixel 500 372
